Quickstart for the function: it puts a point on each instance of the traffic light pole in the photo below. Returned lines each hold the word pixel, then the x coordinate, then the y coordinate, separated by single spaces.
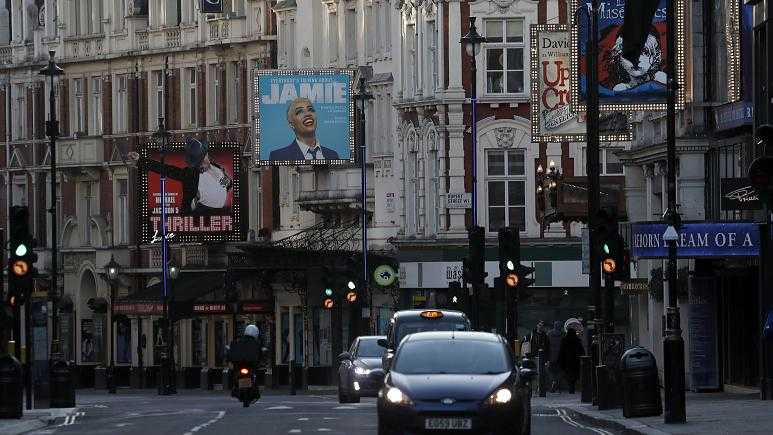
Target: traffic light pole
pixel 28 350
pixel 362 97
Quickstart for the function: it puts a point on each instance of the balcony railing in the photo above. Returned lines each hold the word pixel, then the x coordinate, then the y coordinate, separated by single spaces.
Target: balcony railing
pixel 6 55
pixel 173 38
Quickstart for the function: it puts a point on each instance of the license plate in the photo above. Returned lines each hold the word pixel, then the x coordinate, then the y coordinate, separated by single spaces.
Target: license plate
pixel 245 383
pixel 448 423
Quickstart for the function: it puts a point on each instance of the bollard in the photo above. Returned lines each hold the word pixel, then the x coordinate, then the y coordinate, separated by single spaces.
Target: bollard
pixel 62 388
pixel 602 388
pixel 205 384
pixel 291 376
pixel 110 379
pixel 541 372
pixel 586 381
pixel 11 393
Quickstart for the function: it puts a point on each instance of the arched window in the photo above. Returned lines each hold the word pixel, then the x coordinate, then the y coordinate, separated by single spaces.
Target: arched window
pixel 433 183
pixel 411 182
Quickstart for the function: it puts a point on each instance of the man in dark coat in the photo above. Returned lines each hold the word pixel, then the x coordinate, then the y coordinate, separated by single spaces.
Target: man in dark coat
pixel 302 118
pixel 539 340
pixel 555 336
pixel 569 358
pixel 205 183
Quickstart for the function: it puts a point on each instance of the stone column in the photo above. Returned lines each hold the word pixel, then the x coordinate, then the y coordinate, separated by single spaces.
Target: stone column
pixel 456 162
pixel 454 48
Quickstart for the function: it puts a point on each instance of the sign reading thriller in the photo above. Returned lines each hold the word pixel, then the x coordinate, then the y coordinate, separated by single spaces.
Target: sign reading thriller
pixel 211 6
pixel 202 192
pixel 553 118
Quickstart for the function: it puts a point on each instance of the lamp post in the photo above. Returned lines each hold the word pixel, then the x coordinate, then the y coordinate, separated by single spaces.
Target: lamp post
pixel 362 97
pixel 170 386
pixel 547 190
pixel 472 44
pixel 111 271
pixel 52 131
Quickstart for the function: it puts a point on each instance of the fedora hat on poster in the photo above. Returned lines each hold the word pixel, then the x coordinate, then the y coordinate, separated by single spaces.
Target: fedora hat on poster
pixel 195 150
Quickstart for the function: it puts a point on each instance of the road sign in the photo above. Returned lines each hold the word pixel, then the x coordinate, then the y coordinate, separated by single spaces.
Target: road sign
pixel 458 200
pixel 384 275
pixel 635 286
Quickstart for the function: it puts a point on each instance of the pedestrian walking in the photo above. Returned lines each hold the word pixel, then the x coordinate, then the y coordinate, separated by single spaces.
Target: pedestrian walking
pixel 569 358
pixel 555 336
pixel 539 339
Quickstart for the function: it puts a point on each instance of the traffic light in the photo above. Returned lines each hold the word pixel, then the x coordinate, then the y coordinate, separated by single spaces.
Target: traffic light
pixel 477 259
pixel 611 245
pixel 351 280
pixel 328 293
pixel 21 257
pixel 513 274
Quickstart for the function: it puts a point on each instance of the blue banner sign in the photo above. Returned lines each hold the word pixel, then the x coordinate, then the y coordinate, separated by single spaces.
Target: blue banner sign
pixel 697 240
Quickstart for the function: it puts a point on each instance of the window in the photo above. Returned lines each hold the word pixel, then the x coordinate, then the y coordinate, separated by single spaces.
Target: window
pixel 215 93
pixel 504 56
pixel 411 65
pixel 158 106
pixel 19 192
pixel 122 212
pixel 87 209
pixel 191 94
pixel 120 15
pixel 120 108
pixel 611 164
pixel 432 55
pixel 20 126
pixel 332 37
pixel 171 13
pixel 234 97
pixel 96 106
pixel 433 197
pixel 351 35
pixel 506 189
pixel 75 17
pixel 369 28
pixel 387 28
pixel 79 106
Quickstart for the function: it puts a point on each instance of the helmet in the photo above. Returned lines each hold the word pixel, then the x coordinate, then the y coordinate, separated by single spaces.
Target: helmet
pixel 252 331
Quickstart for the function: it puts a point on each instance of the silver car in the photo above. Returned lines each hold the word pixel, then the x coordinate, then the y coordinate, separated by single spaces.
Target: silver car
pixel 363 357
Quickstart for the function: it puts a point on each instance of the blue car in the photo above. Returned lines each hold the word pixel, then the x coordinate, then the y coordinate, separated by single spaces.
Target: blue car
pixel 458 381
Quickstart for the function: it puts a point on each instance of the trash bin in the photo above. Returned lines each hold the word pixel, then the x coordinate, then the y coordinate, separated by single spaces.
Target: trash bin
pixel 641 394
pixel 206 381
pixel 227 384
pixel 10 388
pixel 61 385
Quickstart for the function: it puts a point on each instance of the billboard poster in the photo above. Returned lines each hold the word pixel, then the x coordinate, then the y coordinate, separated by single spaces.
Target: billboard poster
pixel 303 117
pixel 202 191
pixel 631 60
pixel 553 118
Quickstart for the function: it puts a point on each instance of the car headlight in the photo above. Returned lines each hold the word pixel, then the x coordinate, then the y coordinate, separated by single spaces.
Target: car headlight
pixel 361 371
pixel 397 397
pixel 500 397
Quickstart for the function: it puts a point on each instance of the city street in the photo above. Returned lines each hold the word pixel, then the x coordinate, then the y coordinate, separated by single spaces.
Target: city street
pixel 187 413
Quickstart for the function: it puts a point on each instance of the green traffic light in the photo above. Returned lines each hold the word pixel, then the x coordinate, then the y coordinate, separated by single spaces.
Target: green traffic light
pixel 21 250
pixel 606 248
pixel 328 292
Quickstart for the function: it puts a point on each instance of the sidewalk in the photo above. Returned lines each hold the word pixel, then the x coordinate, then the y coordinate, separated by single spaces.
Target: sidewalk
pixel 33 420
pixel 707 413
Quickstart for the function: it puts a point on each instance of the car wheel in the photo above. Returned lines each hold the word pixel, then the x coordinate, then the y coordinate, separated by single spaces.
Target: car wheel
pixel 341 397
pixel 383 429
pixel 355 398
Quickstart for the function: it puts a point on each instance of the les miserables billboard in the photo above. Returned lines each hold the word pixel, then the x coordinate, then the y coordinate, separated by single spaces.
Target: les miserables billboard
pixel 202 191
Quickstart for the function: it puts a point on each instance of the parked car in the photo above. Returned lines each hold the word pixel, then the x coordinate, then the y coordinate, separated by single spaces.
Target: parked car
pixel 411 321
pixel 454 381
pixel 353 381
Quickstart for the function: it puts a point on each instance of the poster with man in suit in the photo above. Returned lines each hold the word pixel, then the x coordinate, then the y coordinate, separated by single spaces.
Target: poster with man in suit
pixel 304 117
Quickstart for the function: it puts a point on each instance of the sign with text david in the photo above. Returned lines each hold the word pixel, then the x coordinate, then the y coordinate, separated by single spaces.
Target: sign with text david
pixel 705 239
pixel 202 191
pixel 303 117
pixel 553 117
pixel 632 54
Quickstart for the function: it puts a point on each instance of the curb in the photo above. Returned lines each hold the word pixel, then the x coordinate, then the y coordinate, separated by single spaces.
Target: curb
pixel 36 419
pixel 623 425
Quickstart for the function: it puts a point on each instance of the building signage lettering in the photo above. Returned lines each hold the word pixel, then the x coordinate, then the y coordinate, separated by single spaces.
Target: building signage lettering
pixel 210 308
pixel 458 200
pixel 697 240
pixel 738 194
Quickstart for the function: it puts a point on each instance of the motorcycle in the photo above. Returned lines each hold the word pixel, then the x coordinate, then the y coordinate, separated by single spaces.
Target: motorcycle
pixel 246 386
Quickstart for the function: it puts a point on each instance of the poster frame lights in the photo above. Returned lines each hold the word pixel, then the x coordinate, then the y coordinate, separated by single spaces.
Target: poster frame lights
pixel 192 227
pixel 622 100
pixel 550 77
pixel 277 139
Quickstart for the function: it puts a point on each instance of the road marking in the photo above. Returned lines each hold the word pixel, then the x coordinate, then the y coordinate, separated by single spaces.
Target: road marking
pixel 568 420
pixel 303 419
pixel 345 407
pixel 294 431
pixel 278 407
pixel 322 429
pixel 220 415
pixel 70 419
pixel 330 418
pixel 122 424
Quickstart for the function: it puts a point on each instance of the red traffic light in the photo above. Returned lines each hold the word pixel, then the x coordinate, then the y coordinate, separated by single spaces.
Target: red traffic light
pixel 511 279
pixel 351 297
pixel 20 268
pixel 328 303
pixel 609 265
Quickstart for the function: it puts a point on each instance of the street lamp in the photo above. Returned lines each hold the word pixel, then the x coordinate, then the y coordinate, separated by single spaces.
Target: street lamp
pixel 547 190
pixel 363 96
pixel 472 44
pixel 111 271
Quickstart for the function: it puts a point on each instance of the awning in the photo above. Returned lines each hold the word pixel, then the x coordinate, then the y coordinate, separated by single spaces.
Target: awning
pixel 188 286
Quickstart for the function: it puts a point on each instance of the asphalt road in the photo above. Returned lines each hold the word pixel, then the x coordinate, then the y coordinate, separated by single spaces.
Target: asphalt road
pixel 202 413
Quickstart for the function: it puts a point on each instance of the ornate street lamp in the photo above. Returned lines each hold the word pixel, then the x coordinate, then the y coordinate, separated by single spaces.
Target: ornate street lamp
pixel 547 191
pixel 472 42
pixel 112 269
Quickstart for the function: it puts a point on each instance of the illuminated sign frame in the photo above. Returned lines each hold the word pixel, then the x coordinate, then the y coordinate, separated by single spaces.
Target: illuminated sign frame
pixel 733 38
pixel 236 234
pixel 259 129
pixel 681 68
pixel 537 135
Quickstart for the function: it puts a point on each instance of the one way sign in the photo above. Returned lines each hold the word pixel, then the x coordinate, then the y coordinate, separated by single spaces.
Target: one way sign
pixel 212 6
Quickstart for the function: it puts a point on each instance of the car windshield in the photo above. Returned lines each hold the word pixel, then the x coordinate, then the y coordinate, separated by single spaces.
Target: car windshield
pixel 369 349
pixel 412 327
pixel 452 356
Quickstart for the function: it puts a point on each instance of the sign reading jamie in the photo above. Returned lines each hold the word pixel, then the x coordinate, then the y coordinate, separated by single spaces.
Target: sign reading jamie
pixel 697 240
pixel 304 117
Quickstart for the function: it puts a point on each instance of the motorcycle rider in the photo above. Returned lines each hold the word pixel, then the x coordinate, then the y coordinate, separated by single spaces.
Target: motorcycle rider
pixel 247 349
